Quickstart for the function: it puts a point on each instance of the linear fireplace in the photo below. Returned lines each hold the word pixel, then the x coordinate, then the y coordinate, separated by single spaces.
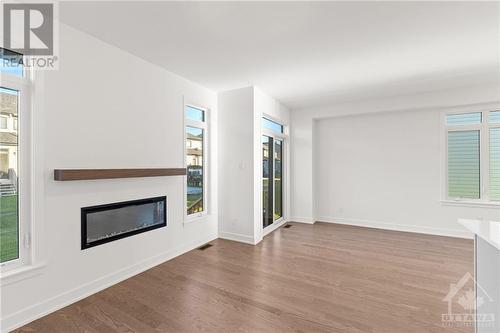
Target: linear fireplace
pixel 105 223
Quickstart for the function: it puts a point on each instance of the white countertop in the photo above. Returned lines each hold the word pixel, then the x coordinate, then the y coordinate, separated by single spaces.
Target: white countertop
pixel 487 230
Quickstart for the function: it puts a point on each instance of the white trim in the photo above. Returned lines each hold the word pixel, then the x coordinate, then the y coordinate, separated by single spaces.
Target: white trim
pixel 25 171
pixel 21 273
pixel 300 219
pixel 471 203
pixel 270 228
pixel 397 227
pixel 271 133
pixel 55 303
pixel 196 217
pixel 237 237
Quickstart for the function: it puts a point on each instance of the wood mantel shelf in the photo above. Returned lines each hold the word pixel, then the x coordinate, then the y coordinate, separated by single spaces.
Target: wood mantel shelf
pixel 89 174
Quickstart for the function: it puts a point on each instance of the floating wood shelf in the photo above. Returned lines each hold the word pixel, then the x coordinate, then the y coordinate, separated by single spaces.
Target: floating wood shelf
pixel 89 174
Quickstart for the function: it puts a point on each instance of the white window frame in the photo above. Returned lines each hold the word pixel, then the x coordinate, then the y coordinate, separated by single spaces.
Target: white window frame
pixel 484 171
pixel 283 137
pixel 24 85
pixel 204 125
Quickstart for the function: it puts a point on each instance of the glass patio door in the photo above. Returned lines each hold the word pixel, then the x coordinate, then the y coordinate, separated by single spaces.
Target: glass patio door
pixel 272 180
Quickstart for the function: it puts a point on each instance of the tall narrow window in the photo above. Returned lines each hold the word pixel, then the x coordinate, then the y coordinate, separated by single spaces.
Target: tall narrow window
pixel 195 160
pixel 9 170
pixel 14 91
pixel 469 163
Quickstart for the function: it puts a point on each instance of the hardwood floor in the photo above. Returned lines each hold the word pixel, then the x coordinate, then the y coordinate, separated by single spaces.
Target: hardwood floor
pixel 308 278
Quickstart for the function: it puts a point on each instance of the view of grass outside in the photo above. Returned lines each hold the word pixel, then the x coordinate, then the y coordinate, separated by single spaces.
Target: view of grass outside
pixel 9 244
pixel 9 222
pixel 265 196
pixel 277 199
pixel 195 190
pixel 192 198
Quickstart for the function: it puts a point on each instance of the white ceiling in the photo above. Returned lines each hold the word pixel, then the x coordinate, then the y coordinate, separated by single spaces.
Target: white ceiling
pixel 305 53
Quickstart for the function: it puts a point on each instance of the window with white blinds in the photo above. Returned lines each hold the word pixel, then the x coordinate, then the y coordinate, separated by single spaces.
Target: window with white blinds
pixel 463 164
pixel 473 156
pixel 495 163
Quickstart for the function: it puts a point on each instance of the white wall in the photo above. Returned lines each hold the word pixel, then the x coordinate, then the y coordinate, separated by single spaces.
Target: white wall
pixel 301 133
pixel 304 160
pixel 105 108
pixel 384 170
pixel 236 160
pixel 240 161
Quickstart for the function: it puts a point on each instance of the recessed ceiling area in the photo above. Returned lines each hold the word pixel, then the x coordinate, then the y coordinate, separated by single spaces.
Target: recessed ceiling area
pixel 305 53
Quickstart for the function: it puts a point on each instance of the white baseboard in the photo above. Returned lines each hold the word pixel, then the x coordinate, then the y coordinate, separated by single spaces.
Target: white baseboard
pixel 397 227
pixel 237 237
pixel 55 303
pixel 308 220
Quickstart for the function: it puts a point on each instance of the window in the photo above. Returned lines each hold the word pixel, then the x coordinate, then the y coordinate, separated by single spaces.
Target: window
pixel 11 63
pixel 196 139
pixel 495 164
pixel 9 205
pixel 15 162
pixel 463 164
pixel 495 117
pixel 473 156
pixel 272 125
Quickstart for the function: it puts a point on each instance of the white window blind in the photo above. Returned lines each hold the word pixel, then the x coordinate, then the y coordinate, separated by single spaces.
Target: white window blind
pixel 495 117
pixel 464 119
pixel 464 164
pixel 495 163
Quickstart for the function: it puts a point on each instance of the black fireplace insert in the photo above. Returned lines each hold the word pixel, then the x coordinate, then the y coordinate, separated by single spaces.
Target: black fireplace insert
pixel 105 223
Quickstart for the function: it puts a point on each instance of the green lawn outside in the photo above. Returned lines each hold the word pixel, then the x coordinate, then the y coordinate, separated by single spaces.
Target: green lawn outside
pixel 9 247
pixel 277 197
pixel 192 198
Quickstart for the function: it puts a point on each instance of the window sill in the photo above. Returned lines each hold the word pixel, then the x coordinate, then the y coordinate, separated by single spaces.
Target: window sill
pixel 195 218
pixel 21 273
pixel 474 204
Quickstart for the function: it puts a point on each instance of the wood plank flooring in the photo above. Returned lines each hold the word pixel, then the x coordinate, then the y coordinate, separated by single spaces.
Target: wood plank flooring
pixel 308 278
